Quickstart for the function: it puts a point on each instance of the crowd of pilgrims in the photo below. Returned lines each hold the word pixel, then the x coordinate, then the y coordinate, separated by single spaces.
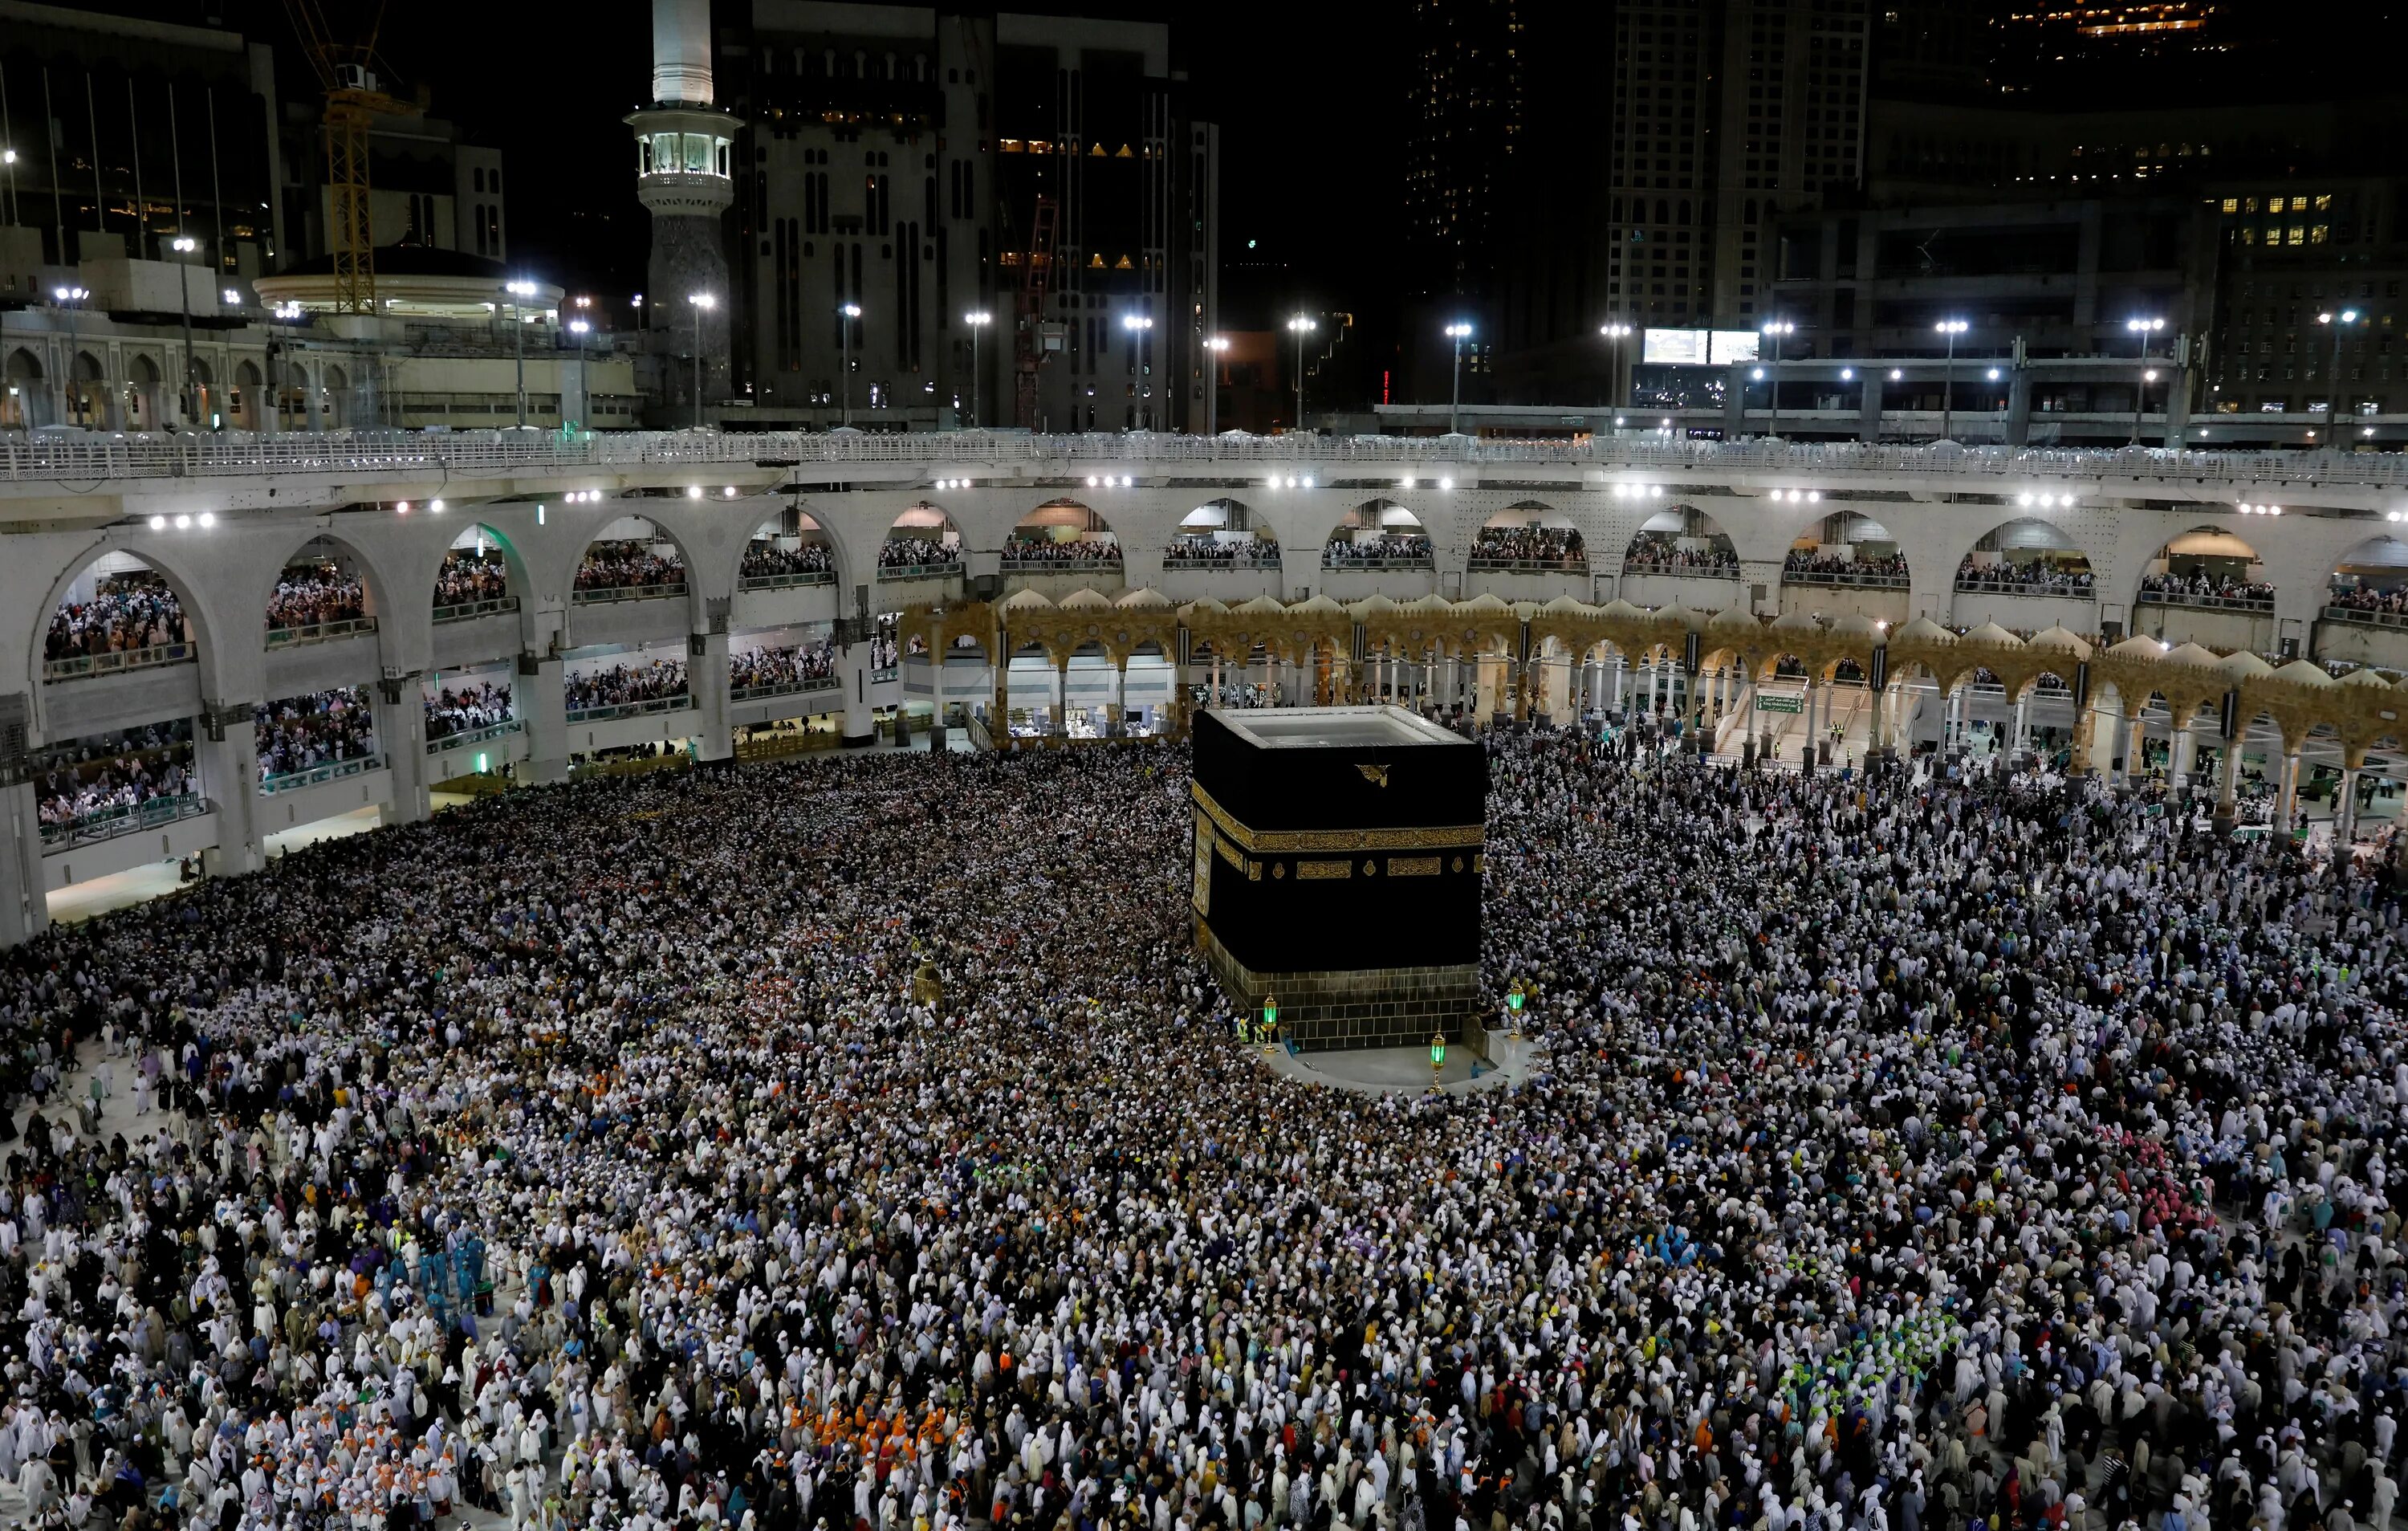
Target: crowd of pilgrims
pixel 2036 577
pixel 1347 550
pixel 622 684
pixel 309 597
pixel 90 778
pixel 126 612
pixel 1903 1152
pixel 765 559
pixel 1043 550
pixel 2350 596
pixel 471 575
pixel 1653 552
pixel 627 565
pixel 299 733
pixel 460 708
pixel 785 669
pixel 2203 584
pixel 917 552
pixel 1863 566
pixel 1528 544
pixel 1210 550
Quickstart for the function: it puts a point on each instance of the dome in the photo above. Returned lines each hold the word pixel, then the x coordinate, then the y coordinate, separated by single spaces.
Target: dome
pixel 1028 601
pixel 1145 597
pixel 1924 631
pixel 1734 619
pixel 1694 620
pixel 1203 606
pixel 2191 654
pixel 2365 678
pixel 1371 605
pixel 1796 622
pixel 2059 641
pixel 2245 666
pixel 1317 606
pixel 1621 608
pixel 2305 672
pixel 1259 606
pixel 1085 599
pixel 1483 605
pixel 1568 606
pixel 2138 648
pixel 1994 636
pixel 1855 625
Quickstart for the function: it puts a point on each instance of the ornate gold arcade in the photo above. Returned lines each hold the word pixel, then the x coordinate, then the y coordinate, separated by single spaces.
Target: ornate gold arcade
pixel 1318 636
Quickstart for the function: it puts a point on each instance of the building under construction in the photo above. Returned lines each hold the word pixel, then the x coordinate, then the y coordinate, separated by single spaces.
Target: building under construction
pixel 921 165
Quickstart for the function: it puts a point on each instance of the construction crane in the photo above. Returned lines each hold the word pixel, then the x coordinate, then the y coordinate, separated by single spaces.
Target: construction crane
pixel 354 100
pixel 1034 337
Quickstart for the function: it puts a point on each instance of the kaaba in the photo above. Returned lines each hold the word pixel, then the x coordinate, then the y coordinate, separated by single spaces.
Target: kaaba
pixel 1338 862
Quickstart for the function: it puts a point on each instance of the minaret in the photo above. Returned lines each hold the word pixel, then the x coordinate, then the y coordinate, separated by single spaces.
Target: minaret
pixel 683 150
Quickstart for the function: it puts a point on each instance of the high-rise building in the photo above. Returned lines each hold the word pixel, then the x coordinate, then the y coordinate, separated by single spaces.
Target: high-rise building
pixel 900 168
pixel 685 165
pixel 1464 127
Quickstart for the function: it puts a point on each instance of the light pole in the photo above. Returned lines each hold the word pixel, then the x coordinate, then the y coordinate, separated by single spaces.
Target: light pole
pixel 1456 332
pixel 2140 329
pixel 703 303
pixel 1615 332
pixel 1773 331
pixel 68 297
pixel 520 291
pixel 2337 322
pixel 978 321
pixel 1217 345
pixel 585 403
pixel 1301 325
pixel 844 343
pixel 184 244
pixel 1138 324
pixel 1951 328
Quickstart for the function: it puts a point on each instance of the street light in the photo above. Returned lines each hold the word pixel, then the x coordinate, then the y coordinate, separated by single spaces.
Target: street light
pixel 184 244
pixel 68 297
pixel 1773 331
pixel 1301 325
pixel 844 344
pixel 520 291
pixel 977 321
pixel 584 401
pixel 1951 328
pixel 1456 332
pixel 1615 332
pixel 1139 325
pixel 2142 330
pixel 1218 345
pixel 703 303
pixel 2338 322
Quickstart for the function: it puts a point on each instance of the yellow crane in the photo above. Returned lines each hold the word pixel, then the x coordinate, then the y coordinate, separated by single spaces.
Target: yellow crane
pixel 354 100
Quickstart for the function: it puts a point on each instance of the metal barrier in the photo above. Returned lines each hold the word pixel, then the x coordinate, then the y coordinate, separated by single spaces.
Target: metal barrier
pixel 625 592
pixel 476 736
pixel 1425 561
pixel 919 572
pixel 1061 566
pixel 784 742
pixel 2260 604
pixel 331 771
pixel 2001 587
pixel 1870 582
pixel 1250 560
pixel 880 676
pixel 83 665
pixel 1528 565
pixel 108 823
pixel 754 693
pixel 631 709
pixel 475 609
pixel 1693 572
pixel 2365 618
pixel 784 582
pixel 319 632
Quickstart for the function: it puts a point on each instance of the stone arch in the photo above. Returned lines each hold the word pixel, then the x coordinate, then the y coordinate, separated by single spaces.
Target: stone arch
pixel 143 371
pixel 2372 577
pixel 250 403
pixel 1061 531
pixel 2208 564
pixel 791 545
pixel 1681 539
pixel 1379 522
pixel 2028 555
pixel 479 553
pixel 1214 529
pixel 1832 550
pixel 921 535
pixel 195 615
pixel 376 588
pixel 642 566
pixel 1530 532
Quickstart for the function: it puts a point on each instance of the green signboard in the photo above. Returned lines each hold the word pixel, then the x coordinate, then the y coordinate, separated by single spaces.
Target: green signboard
pixel 1780 704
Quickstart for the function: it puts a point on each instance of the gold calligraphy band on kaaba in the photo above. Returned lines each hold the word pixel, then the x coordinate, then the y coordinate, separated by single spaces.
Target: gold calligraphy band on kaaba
pixel 1287 842
pixel 1311 872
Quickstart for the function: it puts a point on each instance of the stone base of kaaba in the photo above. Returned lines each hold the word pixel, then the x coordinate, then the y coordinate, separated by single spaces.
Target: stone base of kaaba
pixel 1358 1007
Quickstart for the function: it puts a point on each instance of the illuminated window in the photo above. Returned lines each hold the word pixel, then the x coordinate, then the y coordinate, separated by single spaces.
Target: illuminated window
pixel 2324 201
pixel 2317 235
pixel 2249 204
pixel 2277 204
pixel 2232 204
pixel 2248 233
pixel 2299 235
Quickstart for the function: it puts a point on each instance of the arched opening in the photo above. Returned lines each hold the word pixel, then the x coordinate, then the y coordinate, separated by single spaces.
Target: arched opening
pixel 1378 534
pixel 1529 536
pixel 85 404
pixel 1847 548
pixel 2028 556
pixel 205 404
pixel 2207 569
pixel 1222 534
pixel 1061 536
pixel 246 399
pixel 102 785
pixel 632 559
pixel 118 613
pixel 788 549
pixel 321 594
pixel 923 544
pixel 624 683
pixel 23 378
pixel 1682 540
pixel 781 661
pixel 2370 585
pixel 314 737
pixel 474 579
pixel 472 701
pixel 142 404
pixel 333 396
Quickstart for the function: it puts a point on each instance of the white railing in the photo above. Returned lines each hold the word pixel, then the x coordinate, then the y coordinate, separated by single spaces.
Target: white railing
pixel 1482 563
pixel 629 709
pixel 108 823
pixel 2004 588
pixel 784 582
pixel 1173 562
pixel 463 454
pixel 331 771
pixel 78 666
pixel 469 610
pixel 475 736
pixel 781 688
pixel 2207 603
pixel 2366 617
pixel 1060 566
pixel 319 632
pixel 919 571
pixel 1875 582
pixel 603 594
pixel 1692 571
